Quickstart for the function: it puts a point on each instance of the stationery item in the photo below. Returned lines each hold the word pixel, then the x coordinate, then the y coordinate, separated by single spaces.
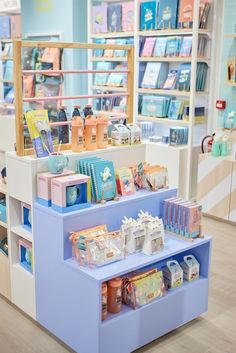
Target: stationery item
pixel 184 75
pixel 117 78
pixel 191 268
pixel 108 53
pixel 99 52
pixel 148 47
pixel 15 26
pixel 155 106
pixel 57 163
pixel 120 135
pixel 160 47
pixel 104 180
pixel 148 12
pixel 99 14
pixel 178 136
pixel 90 133
pixel 102 132
pixel 114 296
pixel 173 274
pixel 193 217
pixel 154 239
pixel 128 16
pixel 25 254
pixel 115 18
pixel 134 233
pixel 5 27
pixel 104 301
pixel 167 14
pixel 173 46
pixel 100 79
pixel 171 80
pixel 40 132
pixel 8 71
pixel 186 47
pixel 176 109
pixel 186 8
pixel 204 9
pixel 141 288
pixel 28 86
pixel 155 75
pixel 125 181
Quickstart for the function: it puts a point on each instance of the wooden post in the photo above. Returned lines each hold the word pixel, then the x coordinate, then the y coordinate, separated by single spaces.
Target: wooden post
pixel 130 85
pixel 18 98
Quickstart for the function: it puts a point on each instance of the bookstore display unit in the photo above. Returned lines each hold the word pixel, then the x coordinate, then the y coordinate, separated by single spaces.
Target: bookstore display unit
pixel 196 96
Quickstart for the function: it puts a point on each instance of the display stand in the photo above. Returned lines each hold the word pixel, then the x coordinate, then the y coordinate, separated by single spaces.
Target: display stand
pixel 69 296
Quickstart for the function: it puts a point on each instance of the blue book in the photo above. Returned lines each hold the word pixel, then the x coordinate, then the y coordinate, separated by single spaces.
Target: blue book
pixel 175 109
pixel 104 180
pixel 5 27
pixel 184 75
pixel 100 79
pixel 148 14
pixel 115 18
pixel 160 47
pixel 173 46
pixel 167 14
pixel 8 71
pixel 99 52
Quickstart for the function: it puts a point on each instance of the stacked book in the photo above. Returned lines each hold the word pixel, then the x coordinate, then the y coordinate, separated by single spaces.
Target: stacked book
pixel 178 136
pixel 114 79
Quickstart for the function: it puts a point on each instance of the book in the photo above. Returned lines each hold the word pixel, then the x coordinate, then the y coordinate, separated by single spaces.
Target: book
pixel 186 47
pixel 173 46
pixel 175 109
pixel 120 53
pixel 155 106
pixel 125 181
pixel 186 14
pixel 148 47
pixel 116 78
pixel 148 12
pixel 99 52
pixel 178 136
pixel 184 75
pixel 114 18
pixel 155 75
pixel 99 19
pixel 100 79
pixel 108 53
pixel 160 47
pixel 170 82
pixel 167 14
pixel 104 180
pixel 204 9
pixel 5 27
pixel 128 16
pixel 8 71
pixel 15 26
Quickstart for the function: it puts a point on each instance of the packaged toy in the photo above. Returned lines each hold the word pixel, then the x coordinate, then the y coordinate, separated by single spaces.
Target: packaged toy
pixel 191 268
pixel 26 254
pixel 173 274
pixel 26 218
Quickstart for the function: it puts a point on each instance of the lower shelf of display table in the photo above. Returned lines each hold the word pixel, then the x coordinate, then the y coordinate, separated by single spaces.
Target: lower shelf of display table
pixel 127 310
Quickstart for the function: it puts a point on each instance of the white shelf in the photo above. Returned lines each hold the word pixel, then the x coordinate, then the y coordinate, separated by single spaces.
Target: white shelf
pixel 3 224
pixel 109 88
pixel 173 92
pixel 105 58
pixel 113 35
pixel 176 59
pixel 170 32
pixel 166 121
pixel 22 232
pixel 111 114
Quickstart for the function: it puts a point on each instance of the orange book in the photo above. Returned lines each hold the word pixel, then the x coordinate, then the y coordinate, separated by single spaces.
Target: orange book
pixel 186 13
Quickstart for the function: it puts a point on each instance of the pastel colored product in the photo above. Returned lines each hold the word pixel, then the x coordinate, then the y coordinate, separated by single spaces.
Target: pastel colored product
pixel 26 216
pixel 191 268
pixel 173 274
pixel 25 254
pixel 57 162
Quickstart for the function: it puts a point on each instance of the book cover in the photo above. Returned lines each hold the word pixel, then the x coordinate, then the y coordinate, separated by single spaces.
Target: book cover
pixel 151 75
pixel 104 180
pixel 174 110
pixel 100 79
pixel 170 82
pixel 173 46
pixel 108 53
pixel 160 47
pixel 99 14
pixel 148 47
pixel 167 14
pixel 186 13
pixel 125 181
pixel 114 18
pixel 183 80
pixel 148 13
pixel 186 47
pixel 15 26
pixel 193 216
pixel 8 72
pixel 5 27
pixel 120 53
pixel 128 16
pixel 99 52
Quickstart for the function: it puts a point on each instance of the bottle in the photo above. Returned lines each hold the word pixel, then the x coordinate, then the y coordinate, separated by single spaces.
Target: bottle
pixel 88 110
pixel 77 134
pixel 90 133
pixel 102 132
pixel 104 301
pixel 63 131
pixel 114 297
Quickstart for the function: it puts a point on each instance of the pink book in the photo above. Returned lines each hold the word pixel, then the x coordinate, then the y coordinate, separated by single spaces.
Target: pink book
pixel 99 19
pixel 128 16
pixel 148 47
pixel 15 26
pixel 193 217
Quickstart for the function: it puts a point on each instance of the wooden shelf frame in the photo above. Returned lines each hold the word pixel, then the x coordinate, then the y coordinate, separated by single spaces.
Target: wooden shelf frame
pixel 18 81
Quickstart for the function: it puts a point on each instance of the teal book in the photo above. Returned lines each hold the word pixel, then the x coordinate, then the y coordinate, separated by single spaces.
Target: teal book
pixel 8 72
pixel 100 79
pixel 148 15
pixel 104 180
pixel 184 75
pixel 173 46
pixel 186 47
pixel 175 109
pixel 167 14
pixel 99 52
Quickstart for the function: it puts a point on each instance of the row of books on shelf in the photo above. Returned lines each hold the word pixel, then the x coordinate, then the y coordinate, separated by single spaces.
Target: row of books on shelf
pixel 111 104
pixel 167 14
pixel 113 18
pixel 173 46
pixel 176 136
pixel 168 107
pixel 116 78
pixel 7 50
pixel 7 67
pixel 109 53
pixel 158 76
pixel 10 26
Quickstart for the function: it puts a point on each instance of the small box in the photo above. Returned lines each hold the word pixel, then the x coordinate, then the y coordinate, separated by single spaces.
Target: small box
pixel 173 274
pixel 191 268
pixel 26 254
pixel 120 135
pixel 135 134
pixel 71 193
pixel 44 186
pixel 26 216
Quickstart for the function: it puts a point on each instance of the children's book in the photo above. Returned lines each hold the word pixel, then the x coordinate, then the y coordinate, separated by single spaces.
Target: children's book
pixel 99 24
pixel 100 79
pixel 160 47
pixel 15 26
pixel 184 75
pixel 128 16
pixel 8 72
pixel 125 181
pixel 99 52
pixel 167 14
pixel 108 53
pixel 186 8
pixel 186 47
pixel 114 18
pixel 148 14
pixel 173 46
pixel 5 27
pixel 104 180
pixel 170 82
pixel 155 75
pixel 148 47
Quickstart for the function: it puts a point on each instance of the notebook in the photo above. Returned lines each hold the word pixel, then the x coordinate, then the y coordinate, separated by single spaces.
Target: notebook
pixel 128 16
pixel 183 80
pixel 148 13
pixel 115 18
pixel 148 47
pixel 99 24
pixel 104 180
pixel 173 46
pixel 167 14
pixel 186 8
